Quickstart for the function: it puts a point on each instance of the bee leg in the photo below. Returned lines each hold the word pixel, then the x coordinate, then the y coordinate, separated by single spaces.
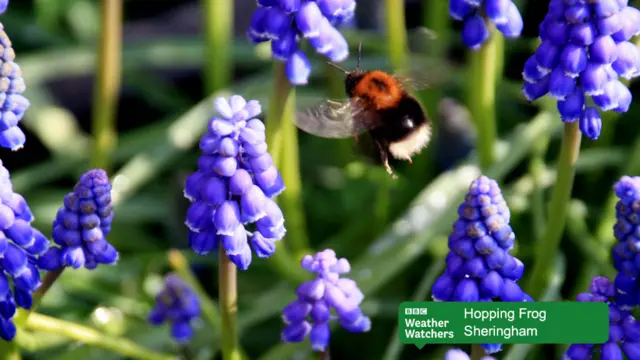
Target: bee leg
pixel 384 156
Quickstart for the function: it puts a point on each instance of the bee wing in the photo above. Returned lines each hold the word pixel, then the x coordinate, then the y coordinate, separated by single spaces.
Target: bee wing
pixel 425 72
pixel 426 67
pixel 334 119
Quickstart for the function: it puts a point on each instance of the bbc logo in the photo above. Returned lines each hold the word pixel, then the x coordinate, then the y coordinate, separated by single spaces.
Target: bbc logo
pixel 415 311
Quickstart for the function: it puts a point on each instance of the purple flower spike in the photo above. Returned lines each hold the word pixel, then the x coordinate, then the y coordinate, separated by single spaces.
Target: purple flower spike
pixel 624 330
pixel 310 314
pixel 585 48
pixel 479 266
pixel 625 252
pixel 231 192
pixel 12 86
pixel 178 305
pixel 22 247
pixel 81 226
pixel 287 22
pixel 504 14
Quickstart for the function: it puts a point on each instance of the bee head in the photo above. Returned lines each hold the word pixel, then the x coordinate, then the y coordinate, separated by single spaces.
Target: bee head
pixel 352 79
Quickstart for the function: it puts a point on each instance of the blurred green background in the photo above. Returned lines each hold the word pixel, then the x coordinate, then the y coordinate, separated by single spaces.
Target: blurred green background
pixel 393 232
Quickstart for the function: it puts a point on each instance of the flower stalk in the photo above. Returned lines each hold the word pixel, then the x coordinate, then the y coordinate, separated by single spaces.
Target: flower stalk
pixel 23 314
pixel 218 22
pixel 9 351
pixel 107 85
pixel 536 168
pixel 435 18
pixel 282 141
pixel 485 69
pixel 89 336
pixel 396 34
pixel 228 294
pixel 548 247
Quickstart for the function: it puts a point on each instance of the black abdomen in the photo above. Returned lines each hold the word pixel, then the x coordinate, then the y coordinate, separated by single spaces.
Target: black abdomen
pixel 400 121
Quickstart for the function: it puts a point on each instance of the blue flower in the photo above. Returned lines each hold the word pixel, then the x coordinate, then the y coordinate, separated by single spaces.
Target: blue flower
pixel 234 186
pixel 3 6
pixel 627 232
pixel 624 330
pixel 503 14
pixel 310 313
pixel 457 354
pixel 286 22
pixel 585 49
pixel 13 103
pixel 81 226
pixel 20 245
pixel 479 266
pixel 178 305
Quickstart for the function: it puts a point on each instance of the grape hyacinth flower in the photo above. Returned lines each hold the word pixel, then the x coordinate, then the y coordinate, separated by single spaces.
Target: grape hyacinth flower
pixel 625 252
pixel 82 225
pixel 457 354
pixel 504 14
pixel 479 266
pixel 310 313
pixel 178 305
pixel 234 186
pixel 286 22
pixel 20 245
pixel 585 49
pixel 13 103
pixel 624 330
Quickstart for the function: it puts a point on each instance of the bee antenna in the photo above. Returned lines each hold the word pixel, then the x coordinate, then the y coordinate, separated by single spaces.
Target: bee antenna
pixel 359 56
pixel 338 67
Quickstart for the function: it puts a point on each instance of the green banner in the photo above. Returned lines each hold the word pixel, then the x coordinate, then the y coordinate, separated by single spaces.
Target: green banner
pixel 422 323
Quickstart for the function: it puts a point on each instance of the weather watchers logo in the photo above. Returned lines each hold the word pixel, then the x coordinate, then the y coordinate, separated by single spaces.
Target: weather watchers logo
pixel 427 329
pixel 524 323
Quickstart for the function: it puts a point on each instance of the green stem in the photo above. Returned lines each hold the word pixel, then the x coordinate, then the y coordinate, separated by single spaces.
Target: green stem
pixel 9 351
pixel 218 22
pixel 396 33
pixel 536 169
pixel 397 53
pixel 477 352
pixel 23 314
pixel 282 142
pixel 228 294
pixel 107 86
pixel 90 336
pixel 436 18
pixel 485 69
pixel 343 149
pixel 548 246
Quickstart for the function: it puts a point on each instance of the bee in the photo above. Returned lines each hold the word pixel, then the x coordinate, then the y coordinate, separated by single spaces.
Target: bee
pixel 378 103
